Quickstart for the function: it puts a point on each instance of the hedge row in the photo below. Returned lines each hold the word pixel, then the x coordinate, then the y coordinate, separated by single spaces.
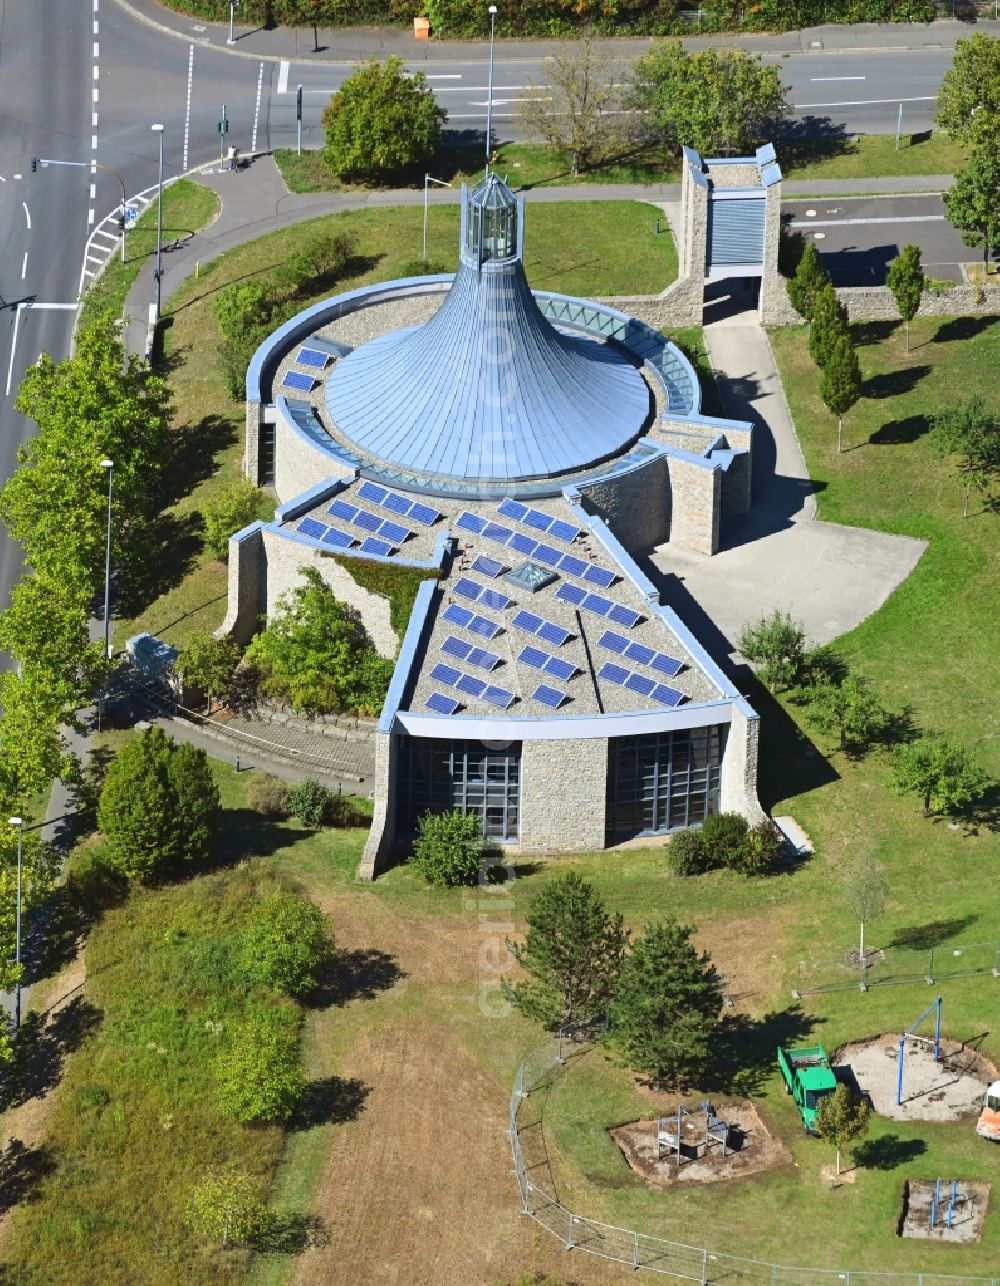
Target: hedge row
pixel 456 18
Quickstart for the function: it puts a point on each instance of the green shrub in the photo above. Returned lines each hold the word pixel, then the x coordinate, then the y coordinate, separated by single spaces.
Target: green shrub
pixel 287 943
pixel 449 848
pixel 268 795
pixel 686 852
pixel 310 802
pixel 761 850
pixel 259 1077
pixel 228 510
pixel 226 1207
pixel 724 835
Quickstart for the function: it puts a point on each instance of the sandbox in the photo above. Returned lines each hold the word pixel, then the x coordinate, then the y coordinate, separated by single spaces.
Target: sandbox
pixel 753 1148
pixel 949 1090
pixel 967 1215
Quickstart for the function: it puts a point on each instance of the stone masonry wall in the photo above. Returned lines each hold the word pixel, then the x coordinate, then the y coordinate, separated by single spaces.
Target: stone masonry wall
pixel 247 558
pixel 770 278
pixel 563 789
pixel 875 303
pixel 285 560
pixel 736 486
pixel 697 505
pixel 738 779
pixel 635 505
pixel 382 834
pixel 251 449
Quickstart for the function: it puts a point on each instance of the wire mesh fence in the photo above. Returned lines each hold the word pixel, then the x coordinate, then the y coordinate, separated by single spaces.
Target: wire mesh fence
pixel 897 966
pixel 628 1246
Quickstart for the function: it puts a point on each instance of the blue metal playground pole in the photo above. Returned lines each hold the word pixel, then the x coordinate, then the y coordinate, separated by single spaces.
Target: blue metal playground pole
pixel 937 1030
pixel 951 1203
pixel 899 1077
pixel 935 1201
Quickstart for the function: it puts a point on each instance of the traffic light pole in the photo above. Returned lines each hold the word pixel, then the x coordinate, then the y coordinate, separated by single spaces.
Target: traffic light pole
pixel 36 161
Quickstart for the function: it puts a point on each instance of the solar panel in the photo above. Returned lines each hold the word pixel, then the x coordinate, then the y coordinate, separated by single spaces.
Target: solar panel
pixel 371 545
pixel 456 647
pixel 341 509
pixel 441 704
pixel 495 531
pixel 312 357
pixel 371 491
pixel 573 565
pixel 523 544
pixel 370 522
pixel 310 527
pixel 512 509
pixel 563 530
pixel 484 659
pixel 468 522
pixel 484 626
pixel 549 696
pixel 613 642
pixel 445 674
pixel 667 696
pixel 667 665
pixel 494 599
pixel 527 621
pixel 571 594
pixel 470 684
pixel 561 669
pixel 299 381
pixel 639 652
pixel 458 615
pixel 534 656
pixel 394 532
pixel 467 588
pixel 553 633
pixel 623 615
pixel 397 503
pixel 641 684
pixel 546 554
pixel 424 513
pixel 594 603
pixel 498 697
pixel 599 576
pixel 612 672
pixel 334 536
pixel 535 518
pixel 488 566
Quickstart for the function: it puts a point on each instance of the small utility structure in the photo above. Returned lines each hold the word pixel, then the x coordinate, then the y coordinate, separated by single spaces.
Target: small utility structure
pixel 808 1078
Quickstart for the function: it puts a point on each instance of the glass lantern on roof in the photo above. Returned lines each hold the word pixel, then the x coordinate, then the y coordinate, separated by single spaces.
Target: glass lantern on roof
pixel 491 231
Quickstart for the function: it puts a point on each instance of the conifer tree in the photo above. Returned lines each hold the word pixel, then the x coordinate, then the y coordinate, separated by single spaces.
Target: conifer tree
pixel 906 281
pixel 828 324
pixel 840 386
pixel 810 278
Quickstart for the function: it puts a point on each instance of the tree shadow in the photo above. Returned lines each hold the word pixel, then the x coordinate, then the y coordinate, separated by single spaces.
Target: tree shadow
pixel 355 975
pixel 171 543
pixel 743 1049
pixel 900 432
pixel 958 328
pixel 193 449
pixel 21 1170
pixel 247 833
pixel 293 1234
pixel 888 1152
pixel 806 139
pixel 982 813
pixel 894 383
pixel 41 1049
pixel 89 890
pixel 899 727
pixel 334 1100
pixel 923 937
pixel 853 266
pixel 868 334
pixel 790 763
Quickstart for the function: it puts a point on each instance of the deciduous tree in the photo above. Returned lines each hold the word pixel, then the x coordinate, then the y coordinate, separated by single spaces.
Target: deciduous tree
pixel 225 1206
pixel 572 954
pixel 840 386
pixel 841 1118
pixel 968 104
pixel 775 645
pixel 906 280
pixel 866 891
pixel 287 943
pixel 969 435
pixel 208 664
pixel 973 200
pixel 851 709
pixel 666 1005
pixel 259 1077
pixel 228 510
pixel 944 774
pixel 39 868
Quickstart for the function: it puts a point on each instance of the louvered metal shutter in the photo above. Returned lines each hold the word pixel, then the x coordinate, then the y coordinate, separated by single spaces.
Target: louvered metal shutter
pixel 735 231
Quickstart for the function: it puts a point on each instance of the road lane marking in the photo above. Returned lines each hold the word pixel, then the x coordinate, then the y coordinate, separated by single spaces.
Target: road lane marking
pixel 867 102
pixel 256 112
pixel 27 214
pixel 90 216
pixel 845 223
pixel 97 49
pixel 24 266
pixel 93 191
pixel 187 110
pixel 815 80
pixel 283 71
pixel 453 75
pixel 93 142
pixel 97 95
pixel 97 73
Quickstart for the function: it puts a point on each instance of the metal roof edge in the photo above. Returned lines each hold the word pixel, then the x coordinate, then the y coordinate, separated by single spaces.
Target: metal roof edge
pixel 408 654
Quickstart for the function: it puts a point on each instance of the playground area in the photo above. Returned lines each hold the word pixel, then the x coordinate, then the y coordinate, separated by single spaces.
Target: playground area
pixel 951 1211
pixel 949 1089
pixel 737 1144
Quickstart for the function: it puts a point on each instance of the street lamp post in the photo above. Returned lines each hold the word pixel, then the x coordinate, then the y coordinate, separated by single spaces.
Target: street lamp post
pixel 489 95
pixel 17 821
pixel 159 224
pixel 429 178
pixel 110 466
pixel 232 5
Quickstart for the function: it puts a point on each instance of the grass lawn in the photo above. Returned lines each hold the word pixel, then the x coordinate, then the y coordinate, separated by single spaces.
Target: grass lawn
pixel 585 248
pixel 528 165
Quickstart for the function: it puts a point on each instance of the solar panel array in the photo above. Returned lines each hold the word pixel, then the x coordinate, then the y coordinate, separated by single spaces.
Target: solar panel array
pixel 397 504
pixel 298 381
pixel 546 630
pixel 312 357
pixel 383 527
pixel 569 564
pixel 470 621
pixel 468 683
pixel 483 594
pixel 328 535
pixel 441 704
pixel 478 656
pixel 549 696
pixel 667 665
pixel 599 605
pixel 540 521
pixel 542 660
pixel 641 683
pixel 487 566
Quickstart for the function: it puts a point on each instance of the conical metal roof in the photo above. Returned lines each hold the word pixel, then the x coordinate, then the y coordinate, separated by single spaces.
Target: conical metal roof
pixel 488 390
